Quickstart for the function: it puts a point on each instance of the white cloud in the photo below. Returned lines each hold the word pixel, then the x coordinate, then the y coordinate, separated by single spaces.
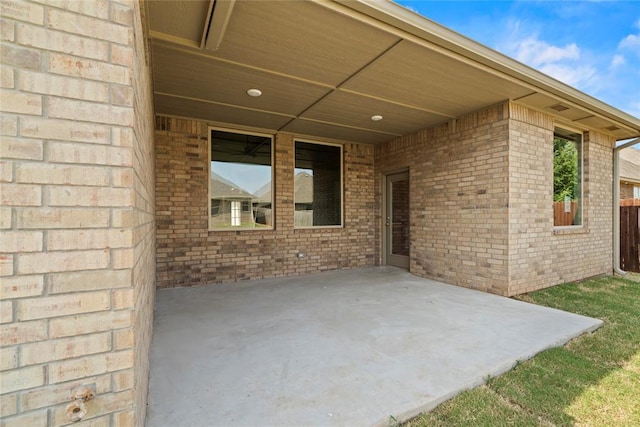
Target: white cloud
pixel 538 53
pixel 617 61
pixel 631 41
pixel 561 62
pixel 577 76
pixel 603 71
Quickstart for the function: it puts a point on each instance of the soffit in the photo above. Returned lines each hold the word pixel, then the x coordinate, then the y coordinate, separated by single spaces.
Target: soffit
pixel 182 19
pixel 430 80
pixel 324 71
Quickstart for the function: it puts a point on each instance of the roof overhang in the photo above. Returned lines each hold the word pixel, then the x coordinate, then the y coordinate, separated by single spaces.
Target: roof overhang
pixel 326 67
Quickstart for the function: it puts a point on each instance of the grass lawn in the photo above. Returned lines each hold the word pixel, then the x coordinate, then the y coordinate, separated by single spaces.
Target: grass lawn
pixel 594 380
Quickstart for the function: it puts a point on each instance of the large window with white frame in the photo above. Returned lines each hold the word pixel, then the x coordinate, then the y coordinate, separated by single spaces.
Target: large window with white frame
pixel 567 178
pixel 317 185
pixel 240 180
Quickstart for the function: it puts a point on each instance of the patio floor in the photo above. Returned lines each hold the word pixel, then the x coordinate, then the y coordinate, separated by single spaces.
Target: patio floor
pixel 339 348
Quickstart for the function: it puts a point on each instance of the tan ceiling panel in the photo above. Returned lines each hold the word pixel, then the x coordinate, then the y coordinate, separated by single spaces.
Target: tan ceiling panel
pixel 595 123
pixel 430 80
pixel 301 39
pixel 181 107
pixel 182 19
pixel 355 110
pixel 196 76
pixel 326 130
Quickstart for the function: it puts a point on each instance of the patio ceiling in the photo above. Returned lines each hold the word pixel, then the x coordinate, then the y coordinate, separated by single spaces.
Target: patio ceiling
pixel 325 68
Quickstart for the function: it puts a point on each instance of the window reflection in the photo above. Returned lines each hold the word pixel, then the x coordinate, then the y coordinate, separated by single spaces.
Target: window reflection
pixel 240 186
pixel 318 185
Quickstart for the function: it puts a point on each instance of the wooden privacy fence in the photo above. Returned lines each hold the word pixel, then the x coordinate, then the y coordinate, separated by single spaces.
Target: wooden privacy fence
pixel 630 238
pixel 560 217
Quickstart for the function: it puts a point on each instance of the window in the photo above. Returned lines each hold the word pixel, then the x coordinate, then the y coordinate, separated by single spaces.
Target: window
pixel 636 192
pixel 567 178
pixel 318 185
pixel 240 189
pixel 235 214
pixel 215 207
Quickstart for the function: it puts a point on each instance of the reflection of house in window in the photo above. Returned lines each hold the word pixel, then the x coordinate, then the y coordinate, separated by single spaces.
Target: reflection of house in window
pixel 244 158
pixel 318 185
pixel 215 207
pixel 303 195
pixel 262 204
pixel 235 213
pixel 231 204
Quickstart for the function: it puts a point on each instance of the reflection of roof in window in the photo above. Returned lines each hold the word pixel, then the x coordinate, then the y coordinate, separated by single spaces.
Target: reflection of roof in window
pixel 630 163
pixel 303 189
pixel 222 188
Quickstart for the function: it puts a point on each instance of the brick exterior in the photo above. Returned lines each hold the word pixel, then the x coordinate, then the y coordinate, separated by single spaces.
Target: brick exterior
pixel 481 192
pixel 458 202
pixel 481 202
pixel 539 255
pixel 94 213
pixel 189 254
pixel 626 190
pixel 77 211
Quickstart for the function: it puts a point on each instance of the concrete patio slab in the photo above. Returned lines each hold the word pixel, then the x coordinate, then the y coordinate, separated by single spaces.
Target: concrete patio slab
pixel 338 348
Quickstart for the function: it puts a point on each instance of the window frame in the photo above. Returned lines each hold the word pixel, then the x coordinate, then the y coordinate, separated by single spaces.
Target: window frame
pixel 272 137
pixel 316 227
pixel 581 172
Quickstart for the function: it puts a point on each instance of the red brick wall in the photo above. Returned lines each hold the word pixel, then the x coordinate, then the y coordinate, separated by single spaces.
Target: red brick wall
pixel 189 254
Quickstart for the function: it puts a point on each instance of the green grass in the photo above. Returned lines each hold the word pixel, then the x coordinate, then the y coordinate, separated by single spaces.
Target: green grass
pixel 594 380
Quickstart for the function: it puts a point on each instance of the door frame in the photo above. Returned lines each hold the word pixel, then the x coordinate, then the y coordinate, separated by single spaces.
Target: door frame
pixel 385 213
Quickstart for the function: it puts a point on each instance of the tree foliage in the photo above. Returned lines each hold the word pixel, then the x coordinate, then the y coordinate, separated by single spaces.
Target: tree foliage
pixel 565 170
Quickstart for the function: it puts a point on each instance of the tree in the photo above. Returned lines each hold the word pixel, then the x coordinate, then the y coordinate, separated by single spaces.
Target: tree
pixel 565 169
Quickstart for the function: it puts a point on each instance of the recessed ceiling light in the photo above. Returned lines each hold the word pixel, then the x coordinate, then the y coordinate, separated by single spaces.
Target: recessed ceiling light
pixel 376 118
pixel 254 92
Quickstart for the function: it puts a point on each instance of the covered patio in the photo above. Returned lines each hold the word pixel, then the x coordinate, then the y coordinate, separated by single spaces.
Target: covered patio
pixel 354 347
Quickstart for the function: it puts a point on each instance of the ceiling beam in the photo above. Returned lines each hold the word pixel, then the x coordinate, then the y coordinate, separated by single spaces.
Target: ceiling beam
pixel 217 22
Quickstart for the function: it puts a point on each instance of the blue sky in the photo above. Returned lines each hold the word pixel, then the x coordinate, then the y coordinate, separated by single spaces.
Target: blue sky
pixel 593 46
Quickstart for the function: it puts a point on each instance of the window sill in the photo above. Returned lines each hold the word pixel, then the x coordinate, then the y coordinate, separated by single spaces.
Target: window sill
pixel 319 227
pixel 238 230
pixel 578 229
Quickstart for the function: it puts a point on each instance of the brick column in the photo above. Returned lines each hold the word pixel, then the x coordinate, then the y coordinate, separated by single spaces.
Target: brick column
pixel 77 245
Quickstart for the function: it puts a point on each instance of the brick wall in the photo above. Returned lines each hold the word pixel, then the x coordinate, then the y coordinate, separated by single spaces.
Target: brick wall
pixel 189 254
pixel 481 202
pixel 77 211
pixel 144 227
pixel 458 204
pixel 541 256
pixel 626 190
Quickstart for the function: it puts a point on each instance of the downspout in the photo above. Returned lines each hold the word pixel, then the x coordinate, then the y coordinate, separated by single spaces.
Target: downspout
pixel 616 206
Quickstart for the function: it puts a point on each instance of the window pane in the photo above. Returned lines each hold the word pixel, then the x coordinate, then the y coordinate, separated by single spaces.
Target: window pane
pixel 567 178
pixel 318 185
pixel 240 184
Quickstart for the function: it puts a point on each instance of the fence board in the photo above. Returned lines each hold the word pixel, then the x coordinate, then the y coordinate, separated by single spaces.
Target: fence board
pixel 630 238
pixel 562 218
